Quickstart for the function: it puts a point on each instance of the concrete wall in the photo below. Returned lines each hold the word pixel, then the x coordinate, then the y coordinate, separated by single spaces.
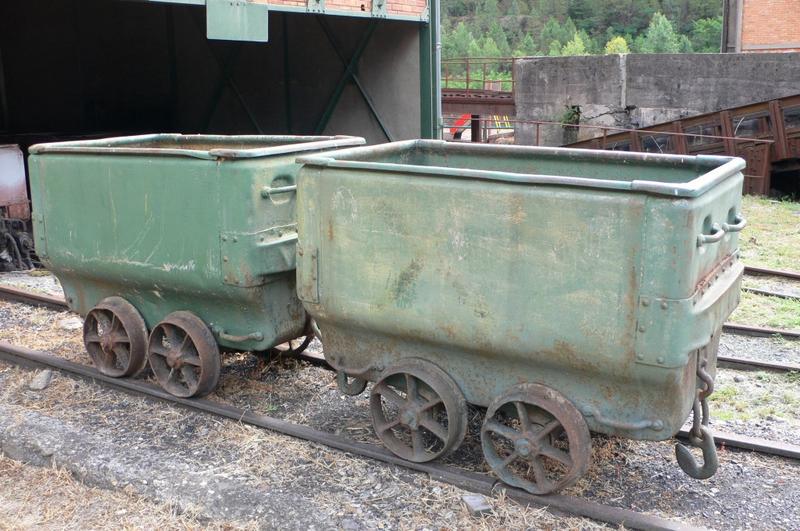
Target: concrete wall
pixel 642 90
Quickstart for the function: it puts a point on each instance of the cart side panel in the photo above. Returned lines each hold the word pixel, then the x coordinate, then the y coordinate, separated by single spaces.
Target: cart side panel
pixel 173 233
pixel 537 273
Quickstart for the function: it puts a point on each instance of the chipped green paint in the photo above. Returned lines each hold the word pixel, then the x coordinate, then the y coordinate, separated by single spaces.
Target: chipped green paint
pixel 174 222
pixel 504 264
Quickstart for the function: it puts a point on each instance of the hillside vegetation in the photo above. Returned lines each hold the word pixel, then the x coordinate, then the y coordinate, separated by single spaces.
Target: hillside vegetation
pixel 505 28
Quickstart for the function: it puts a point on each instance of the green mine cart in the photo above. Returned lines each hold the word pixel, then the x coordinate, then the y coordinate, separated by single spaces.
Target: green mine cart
pixel 189 236
pixel 565 290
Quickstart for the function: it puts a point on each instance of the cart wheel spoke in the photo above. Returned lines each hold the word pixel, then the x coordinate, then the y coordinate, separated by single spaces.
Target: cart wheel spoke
pixel 508 460
pixel 435 428
pixel 540 474
pixel 387 426
pixel 388 393
pixel 431 404
pixel 522 414
pixel 189 376
pixel 501 429
pixel 192 360
pixel 548 429
pixel 158 350
pixel 412 392
pixel 432 418
pixel 554 453
pixel 534 463
pixel 417 445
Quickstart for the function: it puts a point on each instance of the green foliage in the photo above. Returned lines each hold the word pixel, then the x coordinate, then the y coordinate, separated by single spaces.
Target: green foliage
pixel 660 36
pixel 576 46
pixel 617 45
pixel 707 35
pixel 546 27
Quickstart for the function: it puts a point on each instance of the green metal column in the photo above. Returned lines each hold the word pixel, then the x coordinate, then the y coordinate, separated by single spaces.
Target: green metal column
pixel 428 71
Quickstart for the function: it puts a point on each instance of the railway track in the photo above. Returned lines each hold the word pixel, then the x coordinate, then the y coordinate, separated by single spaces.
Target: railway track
pixel 59 304
pixel 764 271
pixel 467 480
pixel 730 440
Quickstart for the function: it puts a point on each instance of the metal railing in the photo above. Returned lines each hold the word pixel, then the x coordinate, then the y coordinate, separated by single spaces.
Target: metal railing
pixel 489 127
pixel 479 74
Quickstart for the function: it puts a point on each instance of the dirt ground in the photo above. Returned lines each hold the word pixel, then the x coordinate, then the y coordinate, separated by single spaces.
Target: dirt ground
pixel 749 491
pixel 46 498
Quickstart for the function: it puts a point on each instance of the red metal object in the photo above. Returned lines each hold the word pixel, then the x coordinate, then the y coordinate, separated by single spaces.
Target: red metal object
pixel 13 191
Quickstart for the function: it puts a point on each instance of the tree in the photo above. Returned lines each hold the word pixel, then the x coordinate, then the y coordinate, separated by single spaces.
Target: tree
pixel 489 48
pixel 552 31
pixel 456 42
pixel 497 34
pixel 527 47
pixel 617 45
pixel 514 9
pixel 489 12
pixel 576 46
pixel 707 35
pixel 684 44
pixel 591 45
pixel 554 49
pixel 660 36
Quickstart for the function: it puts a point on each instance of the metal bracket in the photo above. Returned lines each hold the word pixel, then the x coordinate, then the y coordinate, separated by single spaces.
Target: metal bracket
pixel 308 290
pixel 271 251
pixel 237 20
pixel 315 6
pixel 379 8
pixel 426 13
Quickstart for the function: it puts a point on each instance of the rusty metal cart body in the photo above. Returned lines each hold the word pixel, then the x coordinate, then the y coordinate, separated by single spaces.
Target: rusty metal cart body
pixel 562 289
pixel 195 224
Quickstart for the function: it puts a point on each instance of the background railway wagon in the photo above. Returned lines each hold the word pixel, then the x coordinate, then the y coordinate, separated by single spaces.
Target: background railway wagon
pixel 766 135
pixel 77 69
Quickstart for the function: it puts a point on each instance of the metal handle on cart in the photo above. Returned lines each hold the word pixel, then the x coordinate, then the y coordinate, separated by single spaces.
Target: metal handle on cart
pixel 738 225
pixel 267 191
pixel 255 336
pixel 717 233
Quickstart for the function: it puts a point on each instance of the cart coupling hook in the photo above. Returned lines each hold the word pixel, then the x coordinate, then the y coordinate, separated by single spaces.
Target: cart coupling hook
pixel 710 460
pixel 700 434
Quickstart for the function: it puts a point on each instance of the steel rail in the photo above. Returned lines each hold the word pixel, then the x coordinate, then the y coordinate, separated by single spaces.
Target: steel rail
pixel 59 304
pixel 759 331
pixel 33 299
pixel 768 293
pixel 757 444
pixel 467 480
pixel 749 364
pixel 765 271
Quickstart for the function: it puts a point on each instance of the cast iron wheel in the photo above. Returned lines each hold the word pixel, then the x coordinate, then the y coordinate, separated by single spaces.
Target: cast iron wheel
pixel 418 411
pixel 115 337
pixel 184 355
pixel 535 439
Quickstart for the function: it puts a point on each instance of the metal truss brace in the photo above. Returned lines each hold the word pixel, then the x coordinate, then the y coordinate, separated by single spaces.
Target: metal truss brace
pixel 349 73
pixel 226 79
